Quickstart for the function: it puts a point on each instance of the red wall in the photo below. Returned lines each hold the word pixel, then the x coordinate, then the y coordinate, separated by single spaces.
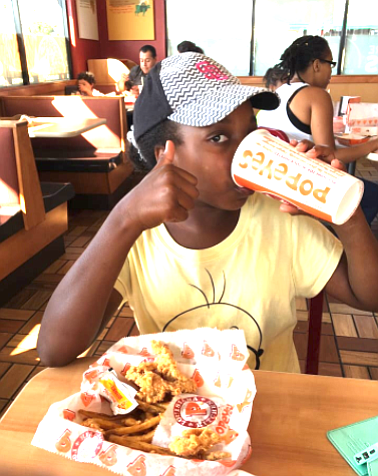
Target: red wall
pixel 88 49
pixel 81 50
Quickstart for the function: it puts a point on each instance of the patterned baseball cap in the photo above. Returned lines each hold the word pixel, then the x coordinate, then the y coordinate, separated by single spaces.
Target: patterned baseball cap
pixel 194 90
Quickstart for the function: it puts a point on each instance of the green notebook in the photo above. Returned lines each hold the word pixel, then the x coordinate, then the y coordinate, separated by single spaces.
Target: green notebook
pixel 373 468
pixel 352 439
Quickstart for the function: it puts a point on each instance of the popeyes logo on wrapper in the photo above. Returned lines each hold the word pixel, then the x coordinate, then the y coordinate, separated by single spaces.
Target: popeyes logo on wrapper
pixel 87 445
pixel 195 412
pixel 109 456
pixel 247 401
pixel 187 352
pixel 236 354
pixel 68 414
pixel 171 471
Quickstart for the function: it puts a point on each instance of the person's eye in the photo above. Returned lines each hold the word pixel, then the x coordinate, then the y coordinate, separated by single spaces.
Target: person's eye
pixel 219 138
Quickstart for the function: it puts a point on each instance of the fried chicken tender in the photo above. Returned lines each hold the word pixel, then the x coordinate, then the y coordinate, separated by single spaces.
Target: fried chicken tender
pixel 160 378
pixel 217 455
pixel 194 442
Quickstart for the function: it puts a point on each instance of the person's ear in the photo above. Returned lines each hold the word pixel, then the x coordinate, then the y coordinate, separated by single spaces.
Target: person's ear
pixel 159 152
pixel 316 65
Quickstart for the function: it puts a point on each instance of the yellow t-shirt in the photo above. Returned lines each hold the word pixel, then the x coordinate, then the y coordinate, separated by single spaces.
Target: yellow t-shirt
pixel 248 281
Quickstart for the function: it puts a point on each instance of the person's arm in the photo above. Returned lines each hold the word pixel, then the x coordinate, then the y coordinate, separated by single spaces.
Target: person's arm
pixel 322 118
pixel 355 152
pixel 355 280
pixel 97 93
pixel 135 75
pixel 85 299
pixel 120 85
pixel 320 115
pixel 313 106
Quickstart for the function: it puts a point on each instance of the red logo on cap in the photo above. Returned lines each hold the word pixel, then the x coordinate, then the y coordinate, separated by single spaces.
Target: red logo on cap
pixel 211 71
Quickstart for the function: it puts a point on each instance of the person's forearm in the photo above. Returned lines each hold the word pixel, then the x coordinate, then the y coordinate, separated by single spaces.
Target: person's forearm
pixel 75 311
pixel 355 152
pixel 361 249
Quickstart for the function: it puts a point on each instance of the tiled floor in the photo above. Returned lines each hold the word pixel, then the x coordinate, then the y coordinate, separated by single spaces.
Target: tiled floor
pixel 349 345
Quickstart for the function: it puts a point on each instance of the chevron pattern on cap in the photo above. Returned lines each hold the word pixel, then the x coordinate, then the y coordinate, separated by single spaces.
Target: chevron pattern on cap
pixel 211 108
pixel 184 82
pixel 199 90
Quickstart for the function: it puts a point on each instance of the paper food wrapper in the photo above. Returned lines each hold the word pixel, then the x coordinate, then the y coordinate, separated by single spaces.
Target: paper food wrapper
pixel 364 114
pixel 364 130
pixel 216 359
pixel 267 164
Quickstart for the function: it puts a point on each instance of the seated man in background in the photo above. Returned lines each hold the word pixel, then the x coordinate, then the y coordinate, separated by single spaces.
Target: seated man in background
pixel 85 84
pixel 147 60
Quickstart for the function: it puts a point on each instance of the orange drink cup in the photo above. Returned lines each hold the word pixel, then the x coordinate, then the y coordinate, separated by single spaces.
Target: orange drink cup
pixel 267 164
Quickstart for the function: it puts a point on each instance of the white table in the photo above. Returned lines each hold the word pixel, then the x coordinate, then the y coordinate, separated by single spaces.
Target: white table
pixel 62 126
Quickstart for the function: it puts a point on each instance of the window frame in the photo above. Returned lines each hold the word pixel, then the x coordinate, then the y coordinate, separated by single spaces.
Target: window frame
pixel 21 44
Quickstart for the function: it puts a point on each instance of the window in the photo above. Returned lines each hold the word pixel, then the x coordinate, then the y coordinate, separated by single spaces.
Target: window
pixel 223 29
pixel 361 48
pixel 42 31
pixel 278 24
pixel 10 64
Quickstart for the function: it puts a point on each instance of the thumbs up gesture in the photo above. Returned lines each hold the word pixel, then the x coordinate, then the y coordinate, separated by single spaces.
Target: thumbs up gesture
pixel 166 194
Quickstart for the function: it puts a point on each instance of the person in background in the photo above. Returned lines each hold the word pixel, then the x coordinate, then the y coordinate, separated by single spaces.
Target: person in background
pixel 85 84
pixel 190 249
pixel 147 60
pixel 186 46
pixel 306 109
pixel 275 77
pixel 131 90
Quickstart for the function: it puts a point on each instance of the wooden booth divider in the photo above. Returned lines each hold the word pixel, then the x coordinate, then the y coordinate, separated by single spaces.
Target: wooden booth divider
pixel 33 216
pixel 95 162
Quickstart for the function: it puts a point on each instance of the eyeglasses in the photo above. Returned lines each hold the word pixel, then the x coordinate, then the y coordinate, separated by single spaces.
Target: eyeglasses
pixel 332 63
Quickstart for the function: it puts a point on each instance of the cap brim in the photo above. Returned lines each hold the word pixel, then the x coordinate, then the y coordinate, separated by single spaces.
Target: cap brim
pixel 220 102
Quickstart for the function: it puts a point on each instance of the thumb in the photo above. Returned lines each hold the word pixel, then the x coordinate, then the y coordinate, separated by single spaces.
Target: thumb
pixel 338 165
pixel 167 155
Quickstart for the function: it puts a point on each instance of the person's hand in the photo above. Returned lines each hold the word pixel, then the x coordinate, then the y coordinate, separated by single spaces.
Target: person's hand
pixel 166 194
pixel 85 89
pixel 322 152
pixel 124 77
pixel 315 152
pixel 135 91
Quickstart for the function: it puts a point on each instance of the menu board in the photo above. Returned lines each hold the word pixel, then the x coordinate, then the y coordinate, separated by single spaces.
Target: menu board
pixel 87 19
pixel 130 19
